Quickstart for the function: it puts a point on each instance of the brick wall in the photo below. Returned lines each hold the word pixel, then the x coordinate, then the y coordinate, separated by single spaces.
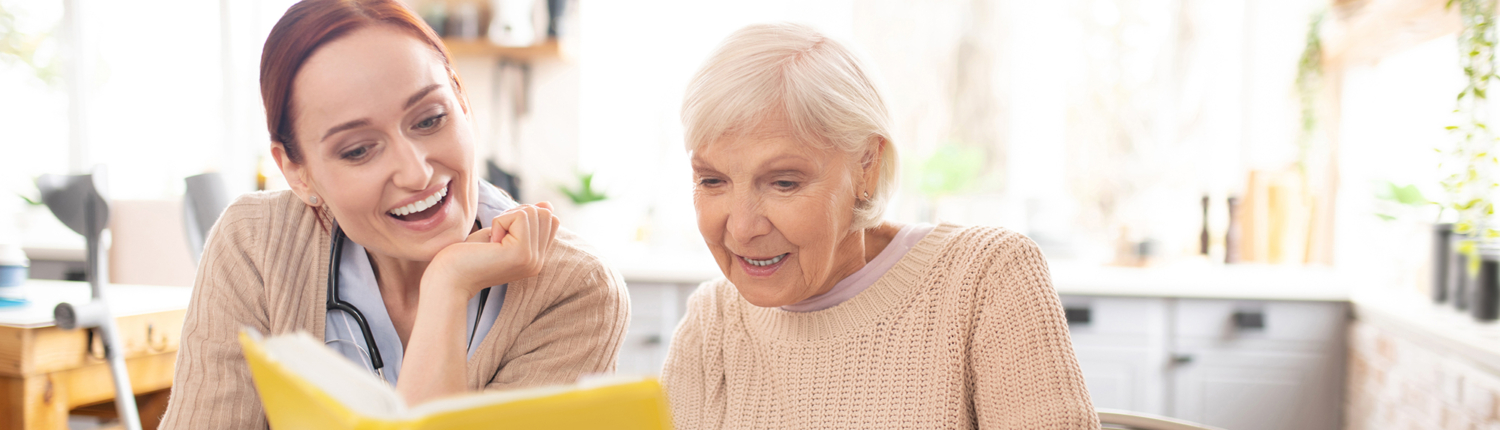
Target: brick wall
pixel 1397 384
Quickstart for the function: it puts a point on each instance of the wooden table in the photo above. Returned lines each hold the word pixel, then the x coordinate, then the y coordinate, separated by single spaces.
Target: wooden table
pixel 45 371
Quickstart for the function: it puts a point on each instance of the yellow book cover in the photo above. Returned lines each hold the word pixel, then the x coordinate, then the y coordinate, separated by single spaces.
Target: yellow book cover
pixel 305 385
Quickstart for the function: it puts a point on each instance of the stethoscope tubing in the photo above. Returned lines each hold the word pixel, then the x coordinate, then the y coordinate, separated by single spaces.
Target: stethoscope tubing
pixel 335 256
pixel 334 303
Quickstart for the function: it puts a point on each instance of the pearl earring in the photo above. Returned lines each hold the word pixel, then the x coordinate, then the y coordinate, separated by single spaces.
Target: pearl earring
pixel 313 200
pixel 867 195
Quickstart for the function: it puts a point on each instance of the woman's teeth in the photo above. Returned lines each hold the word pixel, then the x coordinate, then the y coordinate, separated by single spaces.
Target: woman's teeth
pixel 767 262
pixel 421 205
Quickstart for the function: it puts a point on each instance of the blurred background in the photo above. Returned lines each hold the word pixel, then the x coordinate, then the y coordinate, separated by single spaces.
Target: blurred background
pixel 1096 127
pixel 1252 157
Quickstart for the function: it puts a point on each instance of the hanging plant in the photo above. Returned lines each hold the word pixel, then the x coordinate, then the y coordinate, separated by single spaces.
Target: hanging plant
pixel 1309 81
pixel 1470 164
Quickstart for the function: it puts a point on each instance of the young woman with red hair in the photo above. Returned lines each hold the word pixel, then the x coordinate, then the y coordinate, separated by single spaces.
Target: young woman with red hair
pixel 388 246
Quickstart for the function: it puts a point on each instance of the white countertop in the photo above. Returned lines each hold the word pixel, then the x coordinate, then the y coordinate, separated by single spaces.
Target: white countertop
pixel 124 300
pixel 665 267
pixel 1207 281
pixel 1437 327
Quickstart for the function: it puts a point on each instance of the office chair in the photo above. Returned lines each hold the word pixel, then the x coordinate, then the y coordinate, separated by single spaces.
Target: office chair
pixel 1112 419
pixel 503 180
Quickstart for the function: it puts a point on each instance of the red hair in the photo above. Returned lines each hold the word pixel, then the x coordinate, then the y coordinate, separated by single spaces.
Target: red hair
pixel 310 24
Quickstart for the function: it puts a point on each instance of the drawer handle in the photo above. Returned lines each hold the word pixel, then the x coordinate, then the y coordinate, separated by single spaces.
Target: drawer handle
pixel 1181 359
pixel 155 344
pixel 1078 315
pixel 1250 320
pixel 96 350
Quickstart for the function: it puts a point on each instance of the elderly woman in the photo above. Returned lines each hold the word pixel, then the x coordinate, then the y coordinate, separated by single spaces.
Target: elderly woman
pixel 387 246
pixel 827 315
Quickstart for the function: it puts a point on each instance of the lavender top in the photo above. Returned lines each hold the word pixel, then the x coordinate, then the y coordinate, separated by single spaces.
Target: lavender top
pixel 854 284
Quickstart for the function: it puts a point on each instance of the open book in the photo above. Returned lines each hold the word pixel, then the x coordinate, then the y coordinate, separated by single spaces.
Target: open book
pixel 305 385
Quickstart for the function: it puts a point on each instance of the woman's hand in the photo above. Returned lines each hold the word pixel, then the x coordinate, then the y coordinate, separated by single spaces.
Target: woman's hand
pixel 513 248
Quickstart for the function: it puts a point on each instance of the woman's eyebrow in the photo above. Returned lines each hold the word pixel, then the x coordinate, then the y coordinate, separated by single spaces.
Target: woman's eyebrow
pixel 364 122
pixel 418 96
pixel 345 126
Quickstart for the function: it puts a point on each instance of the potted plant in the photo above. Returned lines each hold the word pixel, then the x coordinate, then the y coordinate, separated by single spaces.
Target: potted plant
pixel 1406 202
pixel 1471 169
pixel 591 213
pixel 584 193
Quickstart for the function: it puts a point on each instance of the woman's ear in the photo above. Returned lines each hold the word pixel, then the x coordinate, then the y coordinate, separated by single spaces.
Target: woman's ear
pixel 296 175
pixel 870 164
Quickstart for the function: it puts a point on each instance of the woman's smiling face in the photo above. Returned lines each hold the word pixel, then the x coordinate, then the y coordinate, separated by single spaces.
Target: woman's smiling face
pixel 385 143
pixel 776 213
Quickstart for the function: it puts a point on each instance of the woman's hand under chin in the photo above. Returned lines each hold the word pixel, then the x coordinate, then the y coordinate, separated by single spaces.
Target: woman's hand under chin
pixel 513 248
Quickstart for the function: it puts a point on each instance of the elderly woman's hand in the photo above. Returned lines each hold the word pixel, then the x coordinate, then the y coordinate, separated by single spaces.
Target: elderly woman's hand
pixel 513 248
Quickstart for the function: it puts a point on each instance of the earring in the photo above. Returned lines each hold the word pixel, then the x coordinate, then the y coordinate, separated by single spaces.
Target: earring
pixel 313 200
pixel 867 195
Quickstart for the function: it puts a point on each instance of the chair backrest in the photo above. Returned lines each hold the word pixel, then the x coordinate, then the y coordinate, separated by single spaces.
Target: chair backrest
pixel 1126 420
pixel 146 247
pixel 504 180
pixel 202 203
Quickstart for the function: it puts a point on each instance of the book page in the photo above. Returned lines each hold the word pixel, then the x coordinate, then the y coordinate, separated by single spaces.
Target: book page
pixel 473 400
pixel 343 380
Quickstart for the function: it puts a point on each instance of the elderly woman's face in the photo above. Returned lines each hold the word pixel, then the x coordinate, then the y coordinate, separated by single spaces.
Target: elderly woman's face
pixel 385 143
pixel 776 214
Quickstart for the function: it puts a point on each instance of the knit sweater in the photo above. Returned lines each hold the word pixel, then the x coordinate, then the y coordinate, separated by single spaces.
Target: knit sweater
pixel 265 266
pixel 965 331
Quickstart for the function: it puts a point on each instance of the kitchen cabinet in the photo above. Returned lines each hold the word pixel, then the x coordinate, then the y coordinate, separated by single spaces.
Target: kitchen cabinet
pixel 1237 364
pixel 655 310
pixel 1241 347
pixel 1121 343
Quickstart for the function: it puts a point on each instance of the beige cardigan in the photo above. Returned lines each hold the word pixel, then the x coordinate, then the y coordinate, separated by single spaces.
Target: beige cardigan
pixel 965 331
pixel 266 265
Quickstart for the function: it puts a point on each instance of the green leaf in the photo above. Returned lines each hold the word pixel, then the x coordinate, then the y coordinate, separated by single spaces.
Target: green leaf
pixel 1407 195
pixel 1384 217
pixel 585 193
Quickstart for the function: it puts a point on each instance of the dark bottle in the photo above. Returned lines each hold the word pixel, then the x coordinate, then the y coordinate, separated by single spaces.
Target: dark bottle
pixel 1203 234
pixel 1484 300
pixel 1458 274
pixel 1232 236
pixel 1442 251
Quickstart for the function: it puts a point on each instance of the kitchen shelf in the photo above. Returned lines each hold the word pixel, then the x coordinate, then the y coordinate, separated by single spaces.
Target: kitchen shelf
pixel 482 47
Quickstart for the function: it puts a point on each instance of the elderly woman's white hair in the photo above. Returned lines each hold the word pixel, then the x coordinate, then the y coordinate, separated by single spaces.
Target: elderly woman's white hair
pixel 793 72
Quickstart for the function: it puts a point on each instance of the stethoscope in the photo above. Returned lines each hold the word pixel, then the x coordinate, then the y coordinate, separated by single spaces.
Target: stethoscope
pixel 335 256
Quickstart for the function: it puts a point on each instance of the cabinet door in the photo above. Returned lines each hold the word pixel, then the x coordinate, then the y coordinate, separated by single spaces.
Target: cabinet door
pixel 655 310
pixel 1121 346
pixel 1249 365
